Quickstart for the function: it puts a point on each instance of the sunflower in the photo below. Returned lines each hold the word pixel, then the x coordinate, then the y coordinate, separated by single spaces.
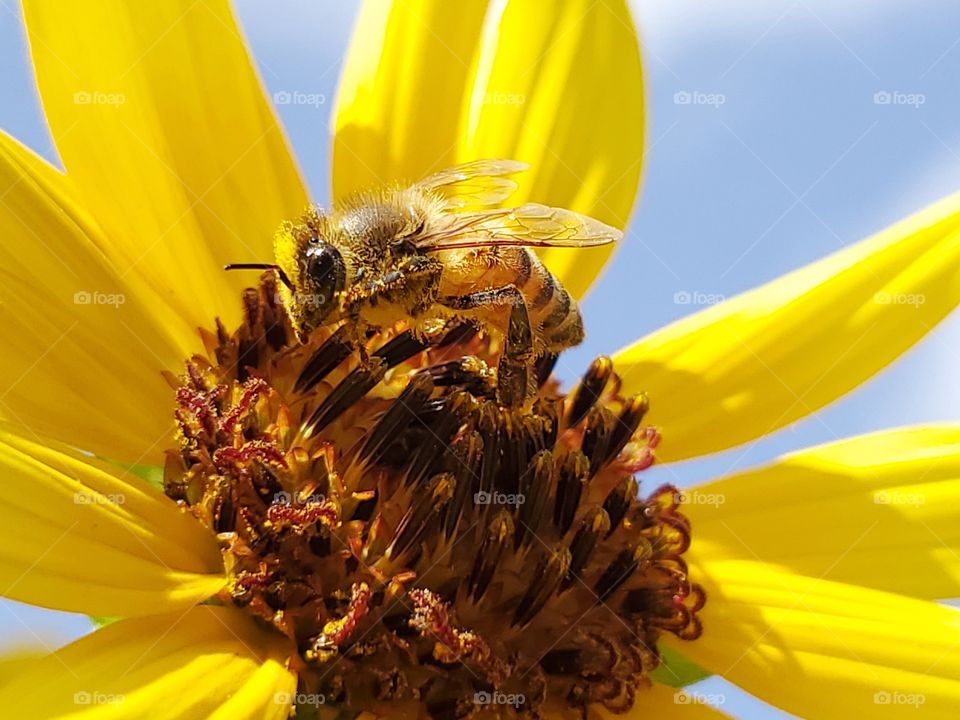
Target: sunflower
pixel 282 525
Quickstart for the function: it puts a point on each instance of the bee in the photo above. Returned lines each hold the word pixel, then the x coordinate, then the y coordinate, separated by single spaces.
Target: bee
pixel 440 250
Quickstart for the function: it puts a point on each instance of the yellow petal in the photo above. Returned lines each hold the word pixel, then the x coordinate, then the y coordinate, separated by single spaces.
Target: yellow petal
pixel 207 663
pixel 160 119
pixel 84 346
pixel 818 648
pixel 429 83
pixel 877 510
pixel 744 368
pixel 400 96
pixel 78 537
pixel 559 85
pixel 13 658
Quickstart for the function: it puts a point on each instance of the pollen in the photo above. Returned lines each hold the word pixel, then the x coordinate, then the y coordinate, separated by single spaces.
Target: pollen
pixel 428 552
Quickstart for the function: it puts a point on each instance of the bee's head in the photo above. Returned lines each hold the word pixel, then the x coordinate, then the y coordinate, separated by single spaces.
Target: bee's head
pixel 315 269
pixel 321 255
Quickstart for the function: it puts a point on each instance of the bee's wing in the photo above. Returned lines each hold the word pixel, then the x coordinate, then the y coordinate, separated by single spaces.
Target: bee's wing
pixel 474 184
pixel 531 225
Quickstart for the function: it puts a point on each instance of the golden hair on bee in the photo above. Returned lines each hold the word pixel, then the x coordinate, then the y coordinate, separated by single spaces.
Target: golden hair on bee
pixel 439 250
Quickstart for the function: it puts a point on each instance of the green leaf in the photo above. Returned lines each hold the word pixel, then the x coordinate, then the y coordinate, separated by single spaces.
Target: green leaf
pixel 677 671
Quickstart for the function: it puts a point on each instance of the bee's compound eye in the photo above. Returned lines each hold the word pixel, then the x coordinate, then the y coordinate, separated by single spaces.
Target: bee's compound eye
pixel 325 268
pixel 320 262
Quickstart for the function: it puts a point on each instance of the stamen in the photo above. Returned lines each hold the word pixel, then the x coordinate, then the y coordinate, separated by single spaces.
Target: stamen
pixel 351 390
pixel 494 547
pixel 331 353
pixel 416 541
pixel 336 632
pixel 573 477
pixel 593 527
pixel 401 348
pixel 618 501
pixel 431 618
pixel 550 573
pixel 590 390
pixel 400 414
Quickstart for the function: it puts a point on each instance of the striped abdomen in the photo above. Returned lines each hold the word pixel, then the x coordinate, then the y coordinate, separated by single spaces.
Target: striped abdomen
pixel 554 315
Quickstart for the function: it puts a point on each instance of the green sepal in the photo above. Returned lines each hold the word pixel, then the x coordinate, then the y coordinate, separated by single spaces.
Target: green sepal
pixel 677 671
pixel 152 474
pixel 101 620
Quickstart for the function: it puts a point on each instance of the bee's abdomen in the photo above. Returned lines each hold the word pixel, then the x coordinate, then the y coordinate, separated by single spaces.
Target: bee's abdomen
pixel 551 308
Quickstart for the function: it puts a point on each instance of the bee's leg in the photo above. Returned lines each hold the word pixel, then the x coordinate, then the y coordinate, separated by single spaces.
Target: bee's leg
pixel 413 284
pixel 515 377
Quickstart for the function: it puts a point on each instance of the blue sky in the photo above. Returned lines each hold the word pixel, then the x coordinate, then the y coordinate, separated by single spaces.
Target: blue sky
pixel 785 152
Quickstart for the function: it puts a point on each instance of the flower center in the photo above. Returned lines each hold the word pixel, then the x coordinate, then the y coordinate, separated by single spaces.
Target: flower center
pixel 419 543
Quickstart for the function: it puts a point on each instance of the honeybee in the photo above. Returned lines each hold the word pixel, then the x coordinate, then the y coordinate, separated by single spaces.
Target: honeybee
pixel 442 249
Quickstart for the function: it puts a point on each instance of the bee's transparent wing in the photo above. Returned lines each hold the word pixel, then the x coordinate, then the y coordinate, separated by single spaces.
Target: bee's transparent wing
pixel 481 183
pixel 531 225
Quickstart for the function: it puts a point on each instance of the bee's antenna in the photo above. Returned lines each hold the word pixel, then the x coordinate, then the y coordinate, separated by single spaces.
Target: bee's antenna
pixel 261 266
